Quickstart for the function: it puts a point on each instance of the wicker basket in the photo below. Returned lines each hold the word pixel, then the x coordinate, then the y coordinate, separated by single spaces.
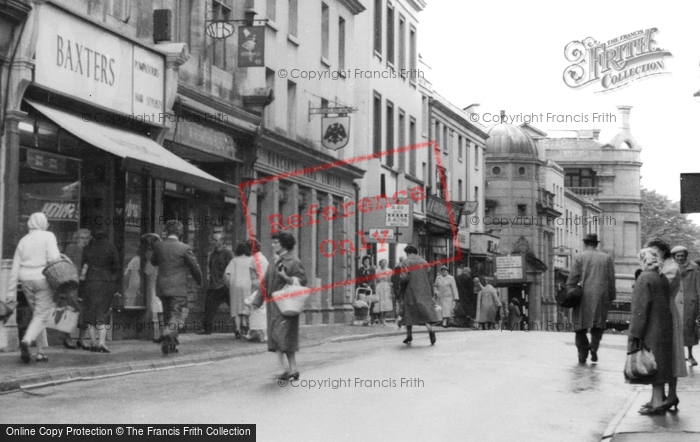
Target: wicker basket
pixel 62 275
pixel 291 299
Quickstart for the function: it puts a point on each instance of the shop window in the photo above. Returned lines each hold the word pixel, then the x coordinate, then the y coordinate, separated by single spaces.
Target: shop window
pixel 50 184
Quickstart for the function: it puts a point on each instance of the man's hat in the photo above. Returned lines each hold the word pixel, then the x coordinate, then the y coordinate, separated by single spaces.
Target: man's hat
pixel 592 238
pixel 678 249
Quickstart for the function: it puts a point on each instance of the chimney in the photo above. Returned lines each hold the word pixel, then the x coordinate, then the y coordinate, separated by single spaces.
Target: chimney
pixel 503 116
pixel 596 134
pixel 624 112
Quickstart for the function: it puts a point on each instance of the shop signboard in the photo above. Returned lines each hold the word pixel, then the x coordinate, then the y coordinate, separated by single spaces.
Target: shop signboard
pixel 85 61
pixel 509 269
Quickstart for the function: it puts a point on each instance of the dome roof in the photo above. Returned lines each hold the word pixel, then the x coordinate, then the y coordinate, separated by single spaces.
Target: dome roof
pixel 509 140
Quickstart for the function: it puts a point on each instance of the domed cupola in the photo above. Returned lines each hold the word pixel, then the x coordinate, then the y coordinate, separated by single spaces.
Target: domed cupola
pixel 509 141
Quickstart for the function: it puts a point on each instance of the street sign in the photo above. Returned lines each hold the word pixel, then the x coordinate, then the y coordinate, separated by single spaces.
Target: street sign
pixel 509 268
pixel 385 234
pixel 398 215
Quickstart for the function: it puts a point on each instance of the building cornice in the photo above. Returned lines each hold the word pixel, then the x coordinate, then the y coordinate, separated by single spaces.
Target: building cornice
pixel 354 6
pixel 15 10
pixel 418 5
pixel 240 114
pixel 441 107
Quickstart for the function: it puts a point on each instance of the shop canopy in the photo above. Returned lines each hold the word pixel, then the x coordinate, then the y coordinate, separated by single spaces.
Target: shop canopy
pixel 140 154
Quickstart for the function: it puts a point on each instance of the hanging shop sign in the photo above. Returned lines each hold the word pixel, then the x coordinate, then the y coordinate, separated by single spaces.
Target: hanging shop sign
pixel 335 132
pixel 251 46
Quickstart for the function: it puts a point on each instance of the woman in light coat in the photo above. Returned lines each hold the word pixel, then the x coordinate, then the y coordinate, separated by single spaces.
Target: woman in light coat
pixel 237 277
pixel 488 304
pixel 690 275
pixel 35 251
pixel 384 291
pixel 446 292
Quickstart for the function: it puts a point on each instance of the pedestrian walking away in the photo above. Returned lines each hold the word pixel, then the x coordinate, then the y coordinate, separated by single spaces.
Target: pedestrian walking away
pixel 594 271
pixel 35 251
pixel 218 291
pixel 238 279
pixel 418 307
pixel 174 260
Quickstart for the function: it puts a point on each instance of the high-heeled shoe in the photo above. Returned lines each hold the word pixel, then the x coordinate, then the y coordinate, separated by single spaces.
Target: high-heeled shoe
pixel 648 404
pixel 294 376
pixel 669 405
pixel 81 345
pixel 661 409
pixel 408 340
pixel 103 349
pixel 432 337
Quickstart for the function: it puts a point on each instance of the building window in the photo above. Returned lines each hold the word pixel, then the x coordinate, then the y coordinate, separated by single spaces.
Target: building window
pixel 424 173
pixel 341 43
pixel 377 129
pixel 220 11
pixel 389 133
pixel 412 142
pixel 459 190
pixel 437 135
pixel 402 140
pixel 118 9
pixel 325 31
pixel 293 20
pixel 580 178
pixel 291 108
pixel 270 109
pixel 476 157
pixel 378 26
pixel 272 10
pixel 184 22
pixel 460 148
pixel 390 34
pixel 441 181
pixel 496 170
pixel 424 115
pixel 413 55
pixel 522 209
pixel 476 193
pixel 402 45
pixel 521 171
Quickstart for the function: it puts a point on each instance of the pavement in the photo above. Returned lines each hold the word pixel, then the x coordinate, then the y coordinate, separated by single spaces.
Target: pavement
pixel 137 356
pixel 679 426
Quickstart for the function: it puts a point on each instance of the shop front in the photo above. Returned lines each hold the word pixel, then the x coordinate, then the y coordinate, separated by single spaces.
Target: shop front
pixel 86 154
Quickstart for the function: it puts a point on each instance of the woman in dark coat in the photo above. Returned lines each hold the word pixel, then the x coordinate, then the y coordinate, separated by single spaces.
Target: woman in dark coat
pixel 652 325
pixel 102 260
pixel 419 308
pixel 283 331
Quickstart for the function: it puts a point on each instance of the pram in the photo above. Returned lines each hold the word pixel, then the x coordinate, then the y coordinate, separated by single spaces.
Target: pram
pixel 361 304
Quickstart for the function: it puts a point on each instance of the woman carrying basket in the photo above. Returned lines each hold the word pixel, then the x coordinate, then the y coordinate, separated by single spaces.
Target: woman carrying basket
pixel 34 251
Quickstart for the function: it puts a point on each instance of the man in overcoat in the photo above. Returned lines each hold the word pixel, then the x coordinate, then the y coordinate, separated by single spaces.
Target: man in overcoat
pixel 467 298
pixel 594 271
pixel 174 259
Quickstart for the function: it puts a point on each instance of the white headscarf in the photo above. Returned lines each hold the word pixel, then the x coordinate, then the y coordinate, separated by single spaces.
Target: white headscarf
pixel 38 221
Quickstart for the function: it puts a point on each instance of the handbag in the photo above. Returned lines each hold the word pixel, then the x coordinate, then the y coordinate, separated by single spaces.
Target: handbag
pixel 569 297
pixel 7 309
pixel 291 298
pixel 63 317
pixel 640 363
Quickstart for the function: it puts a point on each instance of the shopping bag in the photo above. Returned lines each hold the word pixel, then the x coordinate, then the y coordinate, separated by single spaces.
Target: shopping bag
pixel 291 299
pixel 640 363
pixel 64 317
